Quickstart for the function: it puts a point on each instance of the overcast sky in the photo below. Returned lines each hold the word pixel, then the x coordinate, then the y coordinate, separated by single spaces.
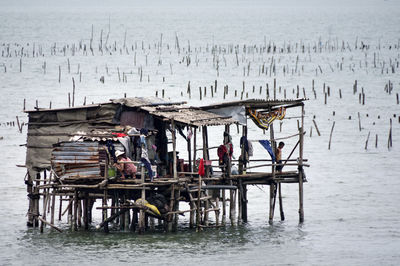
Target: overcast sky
pixel 87 4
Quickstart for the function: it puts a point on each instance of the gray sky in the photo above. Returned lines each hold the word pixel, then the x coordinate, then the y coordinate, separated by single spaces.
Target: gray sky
pixel 87 4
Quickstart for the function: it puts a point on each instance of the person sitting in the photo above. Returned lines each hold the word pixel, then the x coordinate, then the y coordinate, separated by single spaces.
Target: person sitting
pixel 125 166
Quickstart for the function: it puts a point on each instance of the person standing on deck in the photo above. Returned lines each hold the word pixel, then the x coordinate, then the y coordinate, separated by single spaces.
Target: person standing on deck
pixel 145 154
pixel 278 156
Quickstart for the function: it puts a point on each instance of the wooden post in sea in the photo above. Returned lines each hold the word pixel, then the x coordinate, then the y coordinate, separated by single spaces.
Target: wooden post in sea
pixel 142 213
pixel 390 142
pixel 53 203
pixel 189 148
pixel 104 205
pixel 272 185
pixel 301 134
pixel 174 198
pixel 73 92
pixel 231 192
pixel 282 214
pixel 242 170
pixel 243 188
pixel 75 212
pixel 206 157
pixel 194 148
pixel 86 210
pixel 330 137
pixel 175 174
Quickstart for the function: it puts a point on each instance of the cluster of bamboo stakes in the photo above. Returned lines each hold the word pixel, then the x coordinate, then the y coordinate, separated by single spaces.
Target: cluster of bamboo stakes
pixel 258 59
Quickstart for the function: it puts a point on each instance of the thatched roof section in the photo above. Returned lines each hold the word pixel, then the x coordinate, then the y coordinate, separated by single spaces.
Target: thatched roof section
pixel 138 102
pixel 189 116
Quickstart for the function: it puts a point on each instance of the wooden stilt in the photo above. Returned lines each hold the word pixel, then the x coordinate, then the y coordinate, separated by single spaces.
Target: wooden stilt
pixel 244 204
pixel 134 220
pixel 192 206
pixel 86 210
pixel 301 210
pixel 223 207
pixel 29 189
pixel 194 148
pixel 198 213
pixel 70 211
pixel 53 203
pixel 45 199
pixel 189 148
pixel 104 204
pixel 171 207
pixel 175 173
pixel 142 213
pixel 122 217
pixel 91 203
pixel 36 196
pixel 79 213
pixel 206 210
pixel 271 203
pixel 233 206
pixel 127 220
pixel 152 224
pixel 272 185
pixel 280 202
pixel 176 208
pixel 75 213
pixel 217 211
pixel 60 208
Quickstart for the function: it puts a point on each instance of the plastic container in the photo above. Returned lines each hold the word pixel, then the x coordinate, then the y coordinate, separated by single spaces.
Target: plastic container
pixel 112 171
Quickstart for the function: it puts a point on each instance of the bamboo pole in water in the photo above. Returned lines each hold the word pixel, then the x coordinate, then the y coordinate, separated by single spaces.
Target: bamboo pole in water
pixel 301 207
pixel 282 214
pixel 175 173
pixel 142 213
pixel 104 204
pixel 207 171
pixel 316 127
pixel 330 136
pixel 272 185
pixel 75 213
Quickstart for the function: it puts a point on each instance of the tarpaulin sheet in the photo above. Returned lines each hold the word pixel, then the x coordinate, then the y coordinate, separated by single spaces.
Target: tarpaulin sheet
pixel 237 113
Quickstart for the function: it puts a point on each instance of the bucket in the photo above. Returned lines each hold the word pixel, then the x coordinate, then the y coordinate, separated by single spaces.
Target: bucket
pixel 112 172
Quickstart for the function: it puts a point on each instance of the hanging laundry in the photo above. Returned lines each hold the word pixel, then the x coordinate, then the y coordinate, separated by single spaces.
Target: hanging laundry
pixel 267 145
pixel 251 150
pixel 119 135
pixel 189 133
pixel 201 167
pixel 263 120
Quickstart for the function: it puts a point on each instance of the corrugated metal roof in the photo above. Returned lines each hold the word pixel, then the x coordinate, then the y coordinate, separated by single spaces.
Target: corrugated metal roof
pixel 256 103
